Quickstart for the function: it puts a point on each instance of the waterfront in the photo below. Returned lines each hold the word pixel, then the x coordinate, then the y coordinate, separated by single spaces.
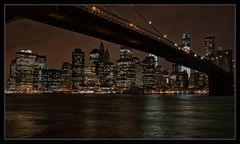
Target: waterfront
pixel 118 116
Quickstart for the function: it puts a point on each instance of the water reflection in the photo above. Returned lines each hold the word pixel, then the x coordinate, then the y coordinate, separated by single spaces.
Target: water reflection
pixel 119 116
pixel 23 124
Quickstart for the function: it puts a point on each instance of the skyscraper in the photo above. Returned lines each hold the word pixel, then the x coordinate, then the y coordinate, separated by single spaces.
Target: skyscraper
pixel 125 53
pixel 186 44
pixel 67 75
pixel 156 59
pixel 209 46
pixel 25 62
pixel 90 77
pixel 125 69
pixel 104 55
pixel 94 56
pixel 107 56
pixel 104 65
pixel 149 63
pixel 176 68
pixel 193 80
pixel 158 76
pixel 28 72
pixel 166 79
pixel 202 80
pixel 77 68
pixel 139 75
pixel 108 79
pixel 40 73
pixel 13 76
pixel 55 79
pixel 183 79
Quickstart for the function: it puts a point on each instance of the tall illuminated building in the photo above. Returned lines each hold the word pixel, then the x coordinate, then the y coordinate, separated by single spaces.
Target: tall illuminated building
pixel 90 77
pixel 149 63
pixel 158 76
pixel 139 75
pixel 155 58
pixel 193 80
pixel 40 73
pixel 183 79
pixel 12 85
pixel 108 75
pixel 22 71
pixel 55 80
pixel 28 72
pixel 202 80
pixel 102 64
pixel 77 68
pixel 176 69
pixel 165 79
pixel 125 53
pixel 94 56
pixel 67 75
pixel 125 69
pixel 209 46
pixel 186 44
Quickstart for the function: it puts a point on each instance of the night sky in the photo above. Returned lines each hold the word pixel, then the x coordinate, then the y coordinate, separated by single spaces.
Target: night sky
pixel 57 44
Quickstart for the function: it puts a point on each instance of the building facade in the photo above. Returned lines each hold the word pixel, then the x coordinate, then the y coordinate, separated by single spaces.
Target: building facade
pixel 186 45
pixel 67 75
pixel 55 80
pixel 125 69
pixel 77 68
pixel 149 73
pixel 40 73
pixel 209 46
pixel 25 63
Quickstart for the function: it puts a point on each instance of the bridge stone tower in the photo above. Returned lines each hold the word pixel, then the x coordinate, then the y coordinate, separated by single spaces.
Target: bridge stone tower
pixel 222 84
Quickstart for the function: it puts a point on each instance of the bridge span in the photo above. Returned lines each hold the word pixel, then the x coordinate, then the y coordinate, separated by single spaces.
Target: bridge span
pixel 104 25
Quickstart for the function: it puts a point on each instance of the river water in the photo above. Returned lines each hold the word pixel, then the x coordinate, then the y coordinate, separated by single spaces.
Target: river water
pixel 64 116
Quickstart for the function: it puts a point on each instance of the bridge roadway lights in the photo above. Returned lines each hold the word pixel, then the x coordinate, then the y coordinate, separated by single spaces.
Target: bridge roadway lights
pixel 85 22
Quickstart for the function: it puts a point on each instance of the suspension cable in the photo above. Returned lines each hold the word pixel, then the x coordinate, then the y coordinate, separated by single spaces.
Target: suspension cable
pixel 115 11
pixel 138 13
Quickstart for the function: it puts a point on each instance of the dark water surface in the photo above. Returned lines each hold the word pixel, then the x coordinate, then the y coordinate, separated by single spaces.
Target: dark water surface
pixel 118 116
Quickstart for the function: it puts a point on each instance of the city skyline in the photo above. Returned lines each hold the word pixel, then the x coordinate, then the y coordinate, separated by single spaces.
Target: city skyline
pixel 47 40
pixel 29 73
pixel 119 71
